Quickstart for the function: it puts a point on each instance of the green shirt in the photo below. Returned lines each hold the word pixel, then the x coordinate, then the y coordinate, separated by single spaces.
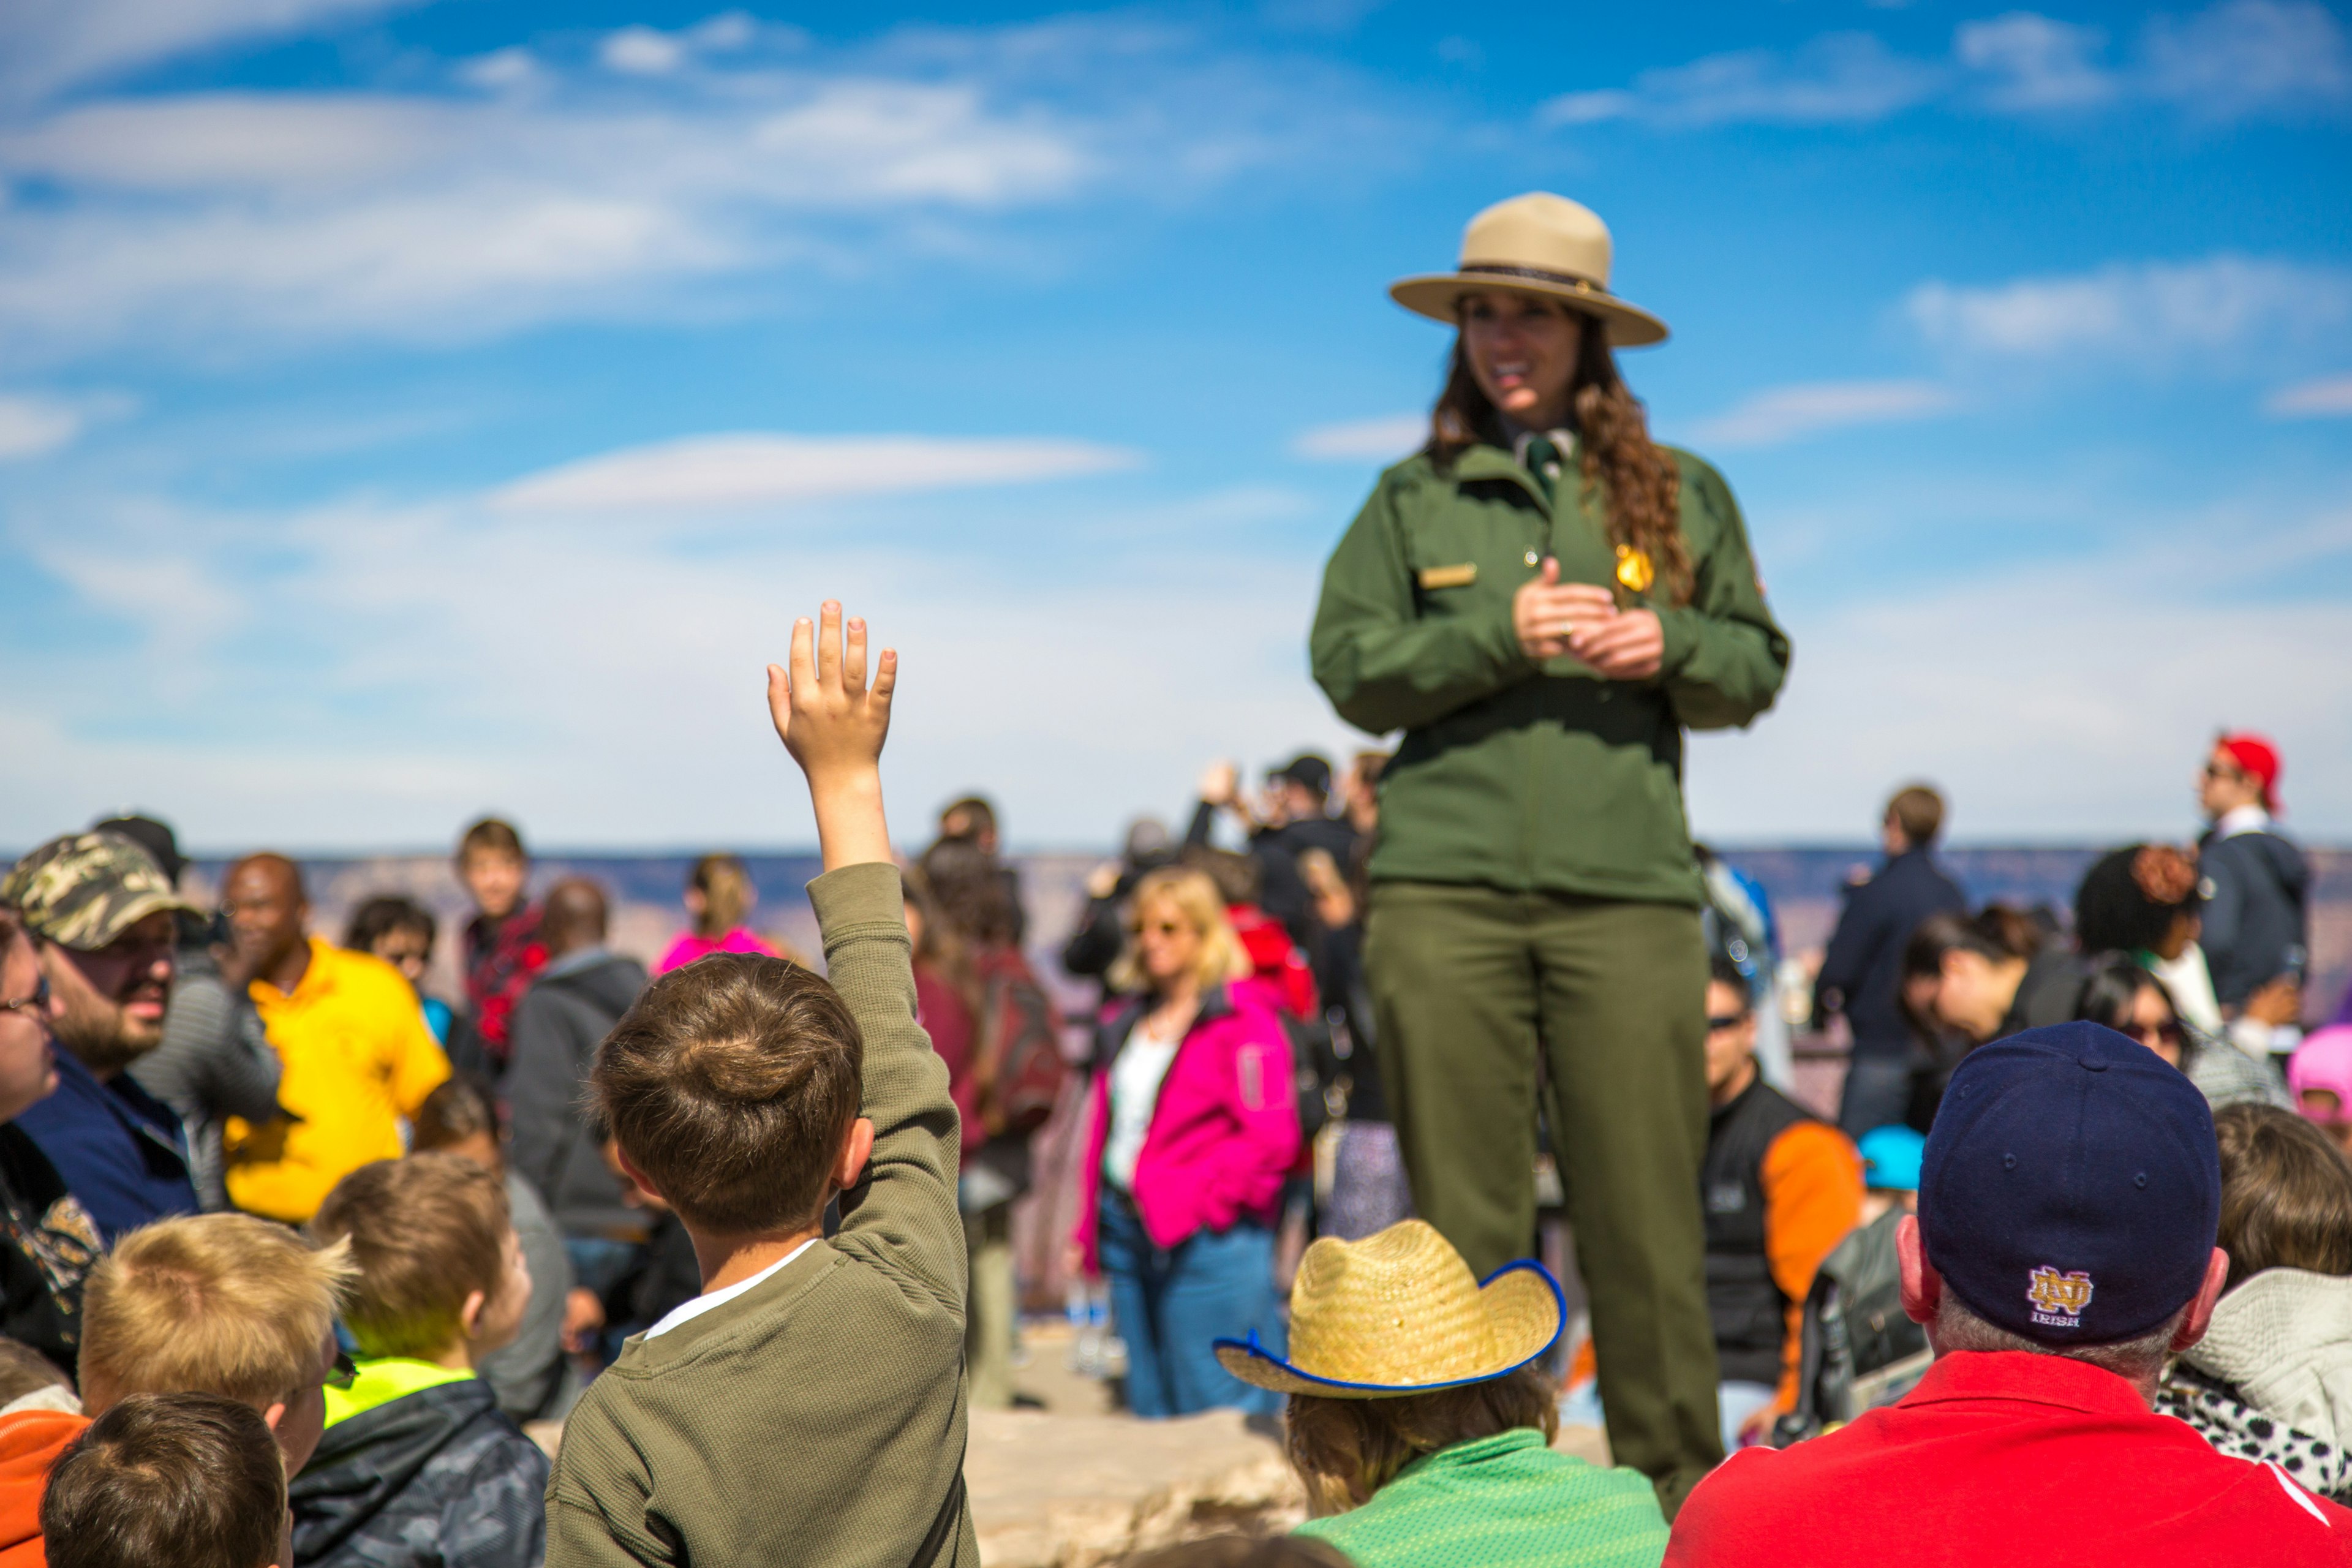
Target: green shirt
pixel 1499 1502
pixel 1513 775
pixel 819 1417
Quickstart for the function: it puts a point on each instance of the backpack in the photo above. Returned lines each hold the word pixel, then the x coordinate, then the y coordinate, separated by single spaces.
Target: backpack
pixel 1859 1350
pixel 1018 1067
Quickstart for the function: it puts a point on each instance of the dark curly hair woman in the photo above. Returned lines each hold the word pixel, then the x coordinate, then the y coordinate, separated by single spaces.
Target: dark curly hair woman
pixel 1543 599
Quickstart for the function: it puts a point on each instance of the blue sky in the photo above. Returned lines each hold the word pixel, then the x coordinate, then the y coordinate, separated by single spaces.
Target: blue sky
pixel 410 409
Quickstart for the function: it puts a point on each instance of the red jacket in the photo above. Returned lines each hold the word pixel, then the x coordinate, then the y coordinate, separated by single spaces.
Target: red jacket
pixel 1275 958
pixel 2006 1459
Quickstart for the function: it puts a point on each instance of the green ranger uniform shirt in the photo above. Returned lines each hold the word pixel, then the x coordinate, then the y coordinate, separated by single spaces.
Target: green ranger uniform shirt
pixel 1527 777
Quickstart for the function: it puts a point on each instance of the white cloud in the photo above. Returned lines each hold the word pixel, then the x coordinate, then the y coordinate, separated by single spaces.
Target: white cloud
pixel 726 472
pixel 251 222
pixel 34 427
pixel 2245 57
pixel 1782 413
pixel 642 51
pixel 50 44
pixel 2060 703
pixel 2146 310
pixel 259 218
pixel 2238 59
pixel 2036 63
pixel 1839 79
pixel 626 706
pixel 2327 398
pixel 1384 439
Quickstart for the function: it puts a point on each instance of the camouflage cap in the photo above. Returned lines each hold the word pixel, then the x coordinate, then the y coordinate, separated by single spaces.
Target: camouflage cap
pixel 82 891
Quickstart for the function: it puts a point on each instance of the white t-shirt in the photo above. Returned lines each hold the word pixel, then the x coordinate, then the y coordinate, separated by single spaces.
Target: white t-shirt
pixel 687 1311
pixel 1135 1080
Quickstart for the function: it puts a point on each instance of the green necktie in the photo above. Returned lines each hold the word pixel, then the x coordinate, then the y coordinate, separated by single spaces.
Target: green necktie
pixel 1543 464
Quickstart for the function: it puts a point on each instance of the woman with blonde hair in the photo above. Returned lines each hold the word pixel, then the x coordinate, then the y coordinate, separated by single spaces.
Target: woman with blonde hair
pixel 1421 1417
pixel 720 898
pixel 1543 599
pixel 1192 1125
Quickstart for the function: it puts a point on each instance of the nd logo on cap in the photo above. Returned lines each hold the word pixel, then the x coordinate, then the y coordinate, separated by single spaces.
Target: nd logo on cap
pixel 2058 1299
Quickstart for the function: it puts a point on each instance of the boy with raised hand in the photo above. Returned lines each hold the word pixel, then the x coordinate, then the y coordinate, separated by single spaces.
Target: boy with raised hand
pixel 808 1407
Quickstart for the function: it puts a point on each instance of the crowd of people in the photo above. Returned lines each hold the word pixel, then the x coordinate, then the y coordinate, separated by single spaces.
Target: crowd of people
pixel 294 1250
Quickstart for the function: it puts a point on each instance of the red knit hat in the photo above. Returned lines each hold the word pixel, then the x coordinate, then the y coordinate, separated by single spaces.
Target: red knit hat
pixel 2259 760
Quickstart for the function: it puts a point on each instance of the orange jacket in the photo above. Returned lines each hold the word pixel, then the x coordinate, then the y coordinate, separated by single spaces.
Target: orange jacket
pixel 1813 1197
pixel 30 1442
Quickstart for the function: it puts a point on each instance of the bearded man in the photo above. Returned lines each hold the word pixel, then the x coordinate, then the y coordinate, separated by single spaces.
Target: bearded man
pixel 100 910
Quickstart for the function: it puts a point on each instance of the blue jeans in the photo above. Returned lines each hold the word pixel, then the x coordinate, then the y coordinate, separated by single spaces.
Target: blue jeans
pixel 1169 1304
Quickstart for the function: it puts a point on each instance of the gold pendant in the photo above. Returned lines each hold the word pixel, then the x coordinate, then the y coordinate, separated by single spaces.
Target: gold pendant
pixel 1634 573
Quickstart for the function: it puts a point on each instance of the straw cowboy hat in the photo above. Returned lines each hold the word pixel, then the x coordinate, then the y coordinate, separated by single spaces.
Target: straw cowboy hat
pixel 1399 1313
pixel 1535 244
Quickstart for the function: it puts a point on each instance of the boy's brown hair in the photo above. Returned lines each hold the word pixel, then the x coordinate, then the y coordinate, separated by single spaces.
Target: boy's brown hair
pixel 1347 1449
pixel 1918 811
pixel 731 1084
pixel 491 835
pixel 191 1479
pixel 424 1232
pixel 2286 1194
pixel 213 1303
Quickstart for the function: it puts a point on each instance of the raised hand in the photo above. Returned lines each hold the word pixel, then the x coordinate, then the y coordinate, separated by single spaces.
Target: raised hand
pixel 834 721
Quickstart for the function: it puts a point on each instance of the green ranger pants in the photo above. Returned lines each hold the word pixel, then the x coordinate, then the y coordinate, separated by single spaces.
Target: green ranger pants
pixel 1469 986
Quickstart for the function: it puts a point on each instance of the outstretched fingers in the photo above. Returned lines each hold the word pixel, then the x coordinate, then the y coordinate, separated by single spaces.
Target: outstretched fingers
pixel 853 663
pixel 780 701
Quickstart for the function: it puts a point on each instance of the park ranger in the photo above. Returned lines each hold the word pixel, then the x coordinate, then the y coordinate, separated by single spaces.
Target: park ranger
pixel 1543 600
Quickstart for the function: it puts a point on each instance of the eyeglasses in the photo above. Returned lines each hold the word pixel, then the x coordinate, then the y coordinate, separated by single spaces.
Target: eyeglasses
pixel 36 1004
pixel 343 1372
pixel 1719 1022
pixel 2170 1034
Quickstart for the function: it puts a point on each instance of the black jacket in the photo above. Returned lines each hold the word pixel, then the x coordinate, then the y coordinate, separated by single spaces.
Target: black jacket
pixel 2257 889
pixel 47 1243
pixel 1282 891
pixel 557 1027
pixel 1744 1302
pixel 437 1479
pixel 1861 974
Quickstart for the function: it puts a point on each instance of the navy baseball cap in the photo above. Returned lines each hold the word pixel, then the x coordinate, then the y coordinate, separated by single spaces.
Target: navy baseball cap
pixel 2071 1187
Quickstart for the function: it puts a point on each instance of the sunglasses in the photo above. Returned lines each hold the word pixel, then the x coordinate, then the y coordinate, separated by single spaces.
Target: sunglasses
pixel 2171 1034
pixel 343 1371
pixel 1719 1022
pixel 36 1004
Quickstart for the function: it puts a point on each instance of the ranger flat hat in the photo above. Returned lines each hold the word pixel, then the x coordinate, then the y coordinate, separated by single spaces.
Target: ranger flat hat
pixel 1536 244
pixel 1400 1313
pixel 84 889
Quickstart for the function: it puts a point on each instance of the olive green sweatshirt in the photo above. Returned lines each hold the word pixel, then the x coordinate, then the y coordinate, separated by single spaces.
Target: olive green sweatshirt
pixel 818 1418
pixel 1513 775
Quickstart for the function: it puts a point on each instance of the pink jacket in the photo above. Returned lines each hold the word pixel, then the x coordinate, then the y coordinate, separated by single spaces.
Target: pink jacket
pixel 689 947
pixel 1224 1128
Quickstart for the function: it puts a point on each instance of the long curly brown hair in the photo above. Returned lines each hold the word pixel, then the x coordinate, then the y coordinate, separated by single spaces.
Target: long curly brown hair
pixel 1619 461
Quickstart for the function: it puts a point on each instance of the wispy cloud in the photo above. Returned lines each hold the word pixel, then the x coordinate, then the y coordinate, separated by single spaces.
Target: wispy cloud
pixel 1841 78
pixel 34 427
pixel 2239 59
pixel 2326 398
pixel 733 471
pixel 528 188
pixel 1782 413
pixel 47 45
pixel 2144 310
pixel 2032 62
pixel 1383 439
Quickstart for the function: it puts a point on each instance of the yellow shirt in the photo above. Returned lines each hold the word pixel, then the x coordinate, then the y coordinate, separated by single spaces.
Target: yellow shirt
pixel 357 1058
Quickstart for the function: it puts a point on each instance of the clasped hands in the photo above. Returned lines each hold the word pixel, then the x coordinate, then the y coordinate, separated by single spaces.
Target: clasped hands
pixel 1583 620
